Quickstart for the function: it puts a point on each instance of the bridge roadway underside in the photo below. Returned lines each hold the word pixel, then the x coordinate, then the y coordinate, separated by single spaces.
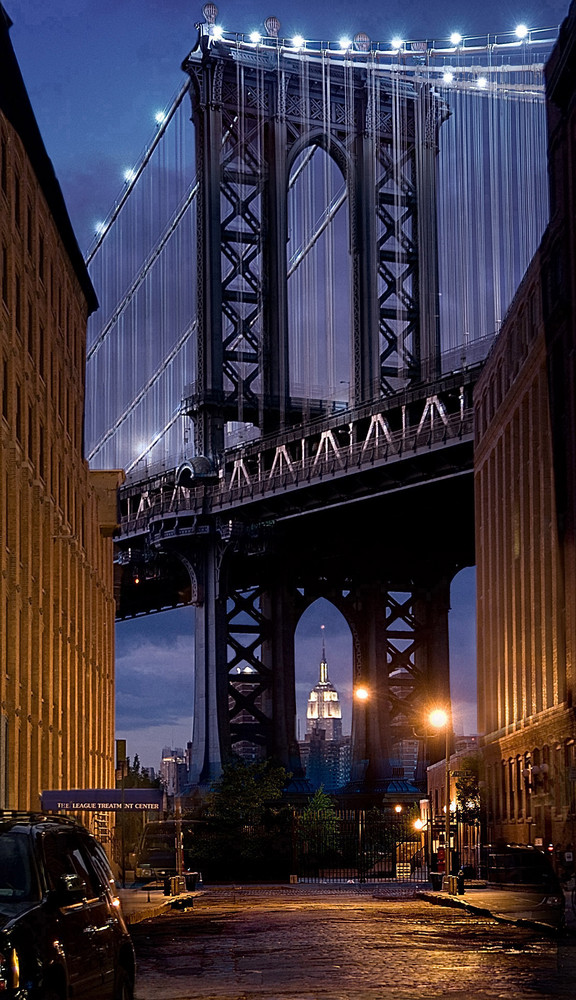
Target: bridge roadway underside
pixel 387 527
pixel 385 557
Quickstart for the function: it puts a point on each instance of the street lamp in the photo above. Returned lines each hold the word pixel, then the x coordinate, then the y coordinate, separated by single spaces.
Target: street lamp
pixel 441 720
pixel 421 827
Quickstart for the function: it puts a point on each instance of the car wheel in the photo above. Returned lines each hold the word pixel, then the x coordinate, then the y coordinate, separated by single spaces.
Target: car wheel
pixel 124 989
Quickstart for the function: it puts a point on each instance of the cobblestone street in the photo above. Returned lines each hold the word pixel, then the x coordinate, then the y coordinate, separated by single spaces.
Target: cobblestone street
pixel 247 944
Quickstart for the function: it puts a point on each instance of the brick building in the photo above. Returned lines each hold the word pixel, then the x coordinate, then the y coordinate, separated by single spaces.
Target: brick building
pixel 56 517
pixel 525 465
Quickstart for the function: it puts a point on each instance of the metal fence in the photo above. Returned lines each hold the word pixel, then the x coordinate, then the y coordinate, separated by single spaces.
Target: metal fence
pixel 373 845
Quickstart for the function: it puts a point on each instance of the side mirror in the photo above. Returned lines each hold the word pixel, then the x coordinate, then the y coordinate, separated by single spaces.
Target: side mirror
pixel 71 889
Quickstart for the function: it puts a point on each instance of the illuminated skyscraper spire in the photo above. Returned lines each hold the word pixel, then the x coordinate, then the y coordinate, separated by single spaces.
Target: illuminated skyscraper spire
pixel 324 711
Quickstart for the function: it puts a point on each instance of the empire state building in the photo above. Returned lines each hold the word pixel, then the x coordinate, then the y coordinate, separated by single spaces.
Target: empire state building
pixel 324 712
pixel 325 752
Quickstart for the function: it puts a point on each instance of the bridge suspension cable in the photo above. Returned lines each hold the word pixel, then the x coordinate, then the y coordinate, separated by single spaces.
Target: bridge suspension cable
pixel 492 204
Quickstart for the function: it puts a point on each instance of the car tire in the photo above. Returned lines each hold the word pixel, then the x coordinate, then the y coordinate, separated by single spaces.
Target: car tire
pixel 124 988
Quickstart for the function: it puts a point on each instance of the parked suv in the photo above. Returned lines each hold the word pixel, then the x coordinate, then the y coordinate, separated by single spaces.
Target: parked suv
pixel 532 889
pixel 62 933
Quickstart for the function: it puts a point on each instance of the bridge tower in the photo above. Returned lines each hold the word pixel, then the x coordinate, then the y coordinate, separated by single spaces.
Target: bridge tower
pixel 256 112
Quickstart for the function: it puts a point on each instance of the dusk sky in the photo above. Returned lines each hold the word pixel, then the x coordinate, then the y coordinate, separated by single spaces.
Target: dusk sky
pixel 97 71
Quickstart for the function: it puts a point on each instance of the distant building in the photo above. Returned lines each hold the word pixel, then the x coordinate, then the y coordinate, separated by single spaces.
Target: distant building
pixel 405 758
pixel 325 753
pixel 56 517
pixel 244 699
pixel 173 770
pixel 464 826
pixel 324 712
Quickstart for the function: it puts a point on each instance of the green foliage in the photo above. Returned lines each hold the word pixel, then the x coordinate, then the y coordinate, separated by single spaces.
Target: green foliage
pixel 468 789
pixel 243 791
pixel 134 777
pixel 248 829
pixel 318 825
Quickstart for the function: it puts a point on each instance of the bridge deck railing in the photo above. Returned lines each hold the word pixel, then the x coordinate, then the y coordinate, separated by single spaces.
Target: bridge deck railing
pixel 245 486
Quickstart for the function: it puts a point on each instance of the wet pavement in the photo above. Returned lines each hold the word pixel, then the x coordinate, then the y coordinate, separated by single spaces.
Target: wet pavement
pixel 343 943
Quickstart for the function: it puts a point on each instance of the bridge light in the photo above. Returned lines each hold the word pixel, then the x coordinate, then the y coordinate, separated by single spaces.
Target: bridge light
pixel 448 76
pixel 397 43
pixel 345 43
pixel 298 42
pixel 160 117
pixel 255 37
pixel 129 175
pixel 481 82
pixel 456 38
pixel 100 228
pixel 521 31
pixel 218 33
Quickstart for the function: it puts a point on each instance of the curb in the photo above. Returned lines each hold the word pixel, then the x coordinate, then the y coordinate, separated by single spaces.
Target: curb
pixel 463 904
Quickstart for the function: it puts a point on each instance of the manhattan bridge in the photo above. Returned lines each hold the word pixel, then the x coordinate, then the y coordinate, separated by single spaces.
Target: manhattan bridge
pixel 298 287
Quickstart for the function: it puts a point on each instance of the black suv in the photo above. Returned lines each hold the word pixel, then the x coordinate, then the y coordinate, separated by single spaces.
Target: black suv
pixel 62 930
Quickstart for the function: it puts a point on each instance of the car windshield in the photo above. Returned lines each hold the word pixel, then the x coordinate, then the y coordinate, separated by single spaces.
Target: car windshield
pixel 18 882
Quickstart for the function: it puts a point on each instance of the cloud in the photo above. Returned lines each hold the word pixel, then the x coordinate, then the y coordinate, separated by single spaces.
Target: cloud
pixel 155 678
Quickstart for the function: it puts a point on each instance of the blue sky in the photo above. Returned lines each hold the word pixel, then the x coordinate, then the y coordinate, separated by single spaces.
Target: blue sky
pixel 96 72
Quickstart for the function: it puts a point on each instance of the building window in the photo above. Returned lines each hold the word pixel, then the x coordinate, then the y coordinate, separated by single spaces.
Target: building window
pixel 18 425
pixel 3 165
pixel 41 258
pixel 30 229
pixel 30 435
pixel 30 335
pixel 41 361
pixel 18 305
pixel 5 276
pixel 41 453
pixel 5 388
pixel 17 205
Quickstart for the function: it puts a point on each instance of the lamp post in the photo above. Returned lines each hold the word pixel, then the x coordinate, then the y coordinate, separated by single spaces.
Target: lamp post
pixel 421 827
pixel 441 720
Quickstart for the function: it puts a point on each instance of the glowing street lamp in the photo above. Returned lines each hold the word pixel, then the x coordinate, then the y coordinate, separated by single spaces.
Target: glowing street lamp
pixel 440 719
pixel 362 693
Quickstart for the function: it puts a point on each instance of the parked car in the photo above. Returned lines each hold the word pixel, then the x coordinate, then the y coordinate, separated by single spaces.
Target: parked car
pixel 156 856
pixel 62 933
pixel 532 889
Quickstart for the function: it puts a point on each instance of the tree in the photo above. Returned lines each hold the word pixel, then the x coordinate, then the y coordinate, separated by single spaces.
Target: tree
pixel 247 833
pixel 244 790
pixel 468 789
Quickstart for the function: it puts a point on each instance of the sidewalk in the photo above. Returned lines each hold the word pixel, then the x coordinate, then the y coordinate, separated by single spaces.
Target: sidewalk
pixel 505 905
pixel 143 904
